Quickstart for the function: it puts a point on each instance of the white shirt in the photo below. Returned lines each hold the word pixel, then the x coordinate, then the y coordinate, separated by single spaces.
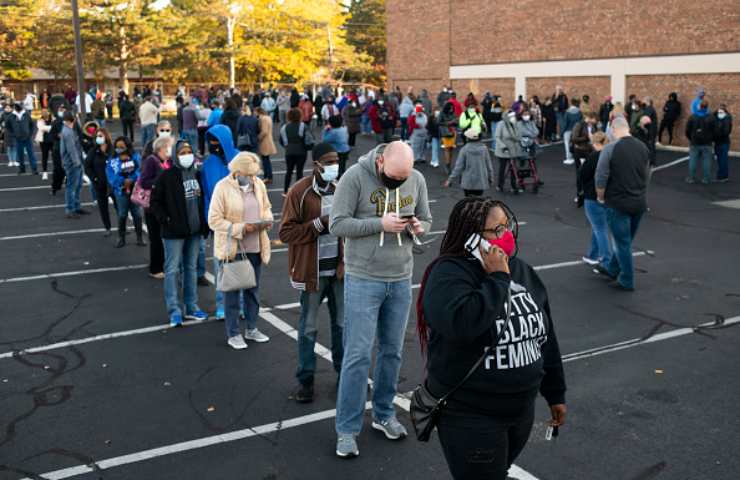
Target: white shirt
pixel 88 102
pixel 329 110
pixel 148 113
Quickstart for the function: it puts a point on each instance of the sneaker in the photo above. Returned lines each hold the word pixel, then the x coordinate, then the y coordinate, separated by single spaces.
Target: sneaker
pixel 690 180
pixel 304 394
pixel 158 276
pixel 237 342
pixel 590 261
pixel 347 446
pixel 73 215
pixel 82 211
pixel 198 314
pixel 599 269
pixel 256 336
pixel 176 320
pixel 220 314
pixel 618 286
pixel 568 161
pixel 392 428
pixel 723 180
pixel 706 181
pixel 202 282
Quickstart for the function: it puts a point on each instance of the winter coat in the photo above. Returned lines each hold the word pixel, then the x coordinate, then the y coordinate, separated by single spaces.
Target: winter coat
pixel 118 172
pixel 671 110
pixel 227 210
pixel 168 205
pixel 352 116
pixel 230 118
pixel 127 110
pixel 473 167
pixel 266 144
pixel 508 141
pixel 723 129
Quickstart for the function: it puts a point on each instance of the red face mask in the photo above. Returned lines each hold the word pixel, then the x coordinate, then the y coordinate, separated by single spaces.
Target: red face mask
pixel 505 243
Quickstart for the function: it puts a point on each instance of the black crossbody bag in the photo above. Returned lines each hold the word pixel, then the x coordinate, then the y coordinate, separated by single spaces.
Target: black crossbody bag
pixel 425 408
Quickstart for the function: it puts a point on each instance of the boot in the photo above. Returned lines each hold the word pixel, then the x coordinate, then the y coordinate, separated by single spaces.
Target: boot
pixel 121 233
pixel 139 232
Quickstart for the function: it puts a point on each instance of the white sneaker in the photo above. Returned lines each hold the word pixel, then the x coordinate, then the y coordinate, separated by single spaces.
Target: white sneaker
pixel 256 336
pixel 237 342
pixel 568 161
pixel 44 176
pixel 590 261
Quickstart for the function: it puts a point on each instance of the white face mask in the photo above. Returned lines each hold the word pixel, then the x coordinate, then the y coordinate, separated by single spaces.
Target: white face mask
pixel 163 135
pixel 526 118
pixel 187 160
pixel 721 115
pixel 512 118
pixel 381 102
pixel 100 140
pixel 330 173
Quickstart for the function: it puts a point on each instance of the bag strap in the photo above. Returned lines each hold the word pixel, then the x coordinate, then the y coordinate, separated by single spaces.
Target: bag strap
pixel 229 237
pixel 442 401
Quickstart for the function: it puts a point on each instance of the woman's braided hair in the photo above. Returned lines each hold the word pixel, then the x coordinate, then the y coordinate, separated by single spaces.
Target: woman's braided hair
pixel 468 217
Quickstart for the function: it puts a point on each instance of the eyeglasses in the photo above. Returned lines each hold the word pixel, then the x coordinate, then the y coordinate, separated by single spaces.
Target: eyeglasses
pixel 500 229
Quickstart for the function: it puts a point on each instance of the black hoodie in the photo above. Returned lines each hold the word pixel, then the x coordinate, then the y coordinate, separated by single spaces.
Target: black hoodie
pixel 461 305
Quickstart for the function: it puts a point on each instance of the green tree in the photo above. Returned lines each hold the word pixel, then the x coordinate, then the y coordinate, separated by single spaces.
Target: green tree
pixel 16 19
pixel 366 33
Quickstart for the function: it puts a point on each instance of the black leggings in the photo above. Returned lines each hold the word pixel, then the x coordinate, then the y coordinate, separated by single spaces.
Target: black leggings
pixel 352 138
pixel 666 125
pixel 343 157
pixel 128 128
pixel 101 194
pixel 473 193
pixel 57 177
pixel 294 162
pixel 45 151
pixel 503 169
pixel 479 447
pixel 156 247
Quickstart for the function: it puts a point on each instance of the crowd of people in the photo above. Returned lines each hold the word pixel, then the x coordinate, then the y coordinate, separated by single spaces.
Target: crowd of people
pixel 350 232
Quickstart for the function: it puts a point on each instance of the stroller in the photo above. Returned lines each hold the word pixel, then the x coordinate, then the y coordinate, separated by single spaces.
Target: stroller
pixel 524 169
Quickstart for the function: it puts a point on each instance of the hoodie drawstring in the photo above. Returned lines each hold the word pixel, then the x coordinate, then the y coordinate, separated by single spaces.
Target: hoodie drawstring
pixel 385 210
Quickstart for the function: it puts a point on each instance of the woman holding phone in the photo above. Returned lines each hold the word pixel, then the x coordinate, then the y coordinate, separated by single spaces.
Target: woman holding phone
pixel 240 215
pixel 477 292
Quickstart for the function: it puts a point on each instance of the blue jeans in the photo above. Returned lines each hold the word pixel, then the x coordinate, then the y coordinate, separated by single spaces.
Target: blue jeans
pixel 219 293
pixel 366 125
pixel 201 265
pixel 11 153
pixel 148 132
pixel 332 289
pixel 404 128
pixel 705 154
pixel 73 186
pixel 560 118
pixel 25 146
pixel 435 151
pixel 601 248
pixel 494 126
pixel 371 306
pixel 177 251
pixel 233 301
pixel 124 205
pixel 624 228
pixel 191 136
pixel 722 151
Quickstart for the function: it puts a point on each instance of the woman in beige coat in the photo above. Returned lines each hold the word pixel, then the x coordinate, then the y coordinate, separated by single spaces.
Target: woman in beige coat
pixel 240 215
pixel 266 143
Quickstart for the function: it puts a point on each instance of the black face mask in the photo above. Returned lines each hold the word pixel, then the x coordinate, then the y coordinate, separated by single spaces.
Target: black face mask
pixel 389 182
pixel 215 148
pixel 18 108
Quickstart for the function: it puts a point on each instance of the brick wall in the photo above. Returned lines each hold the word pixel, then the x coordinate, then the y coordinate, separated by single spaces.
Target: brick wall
pixel 419 43
pixel 724 88
pixel 595 87
pixel 528 30
pixel 497 86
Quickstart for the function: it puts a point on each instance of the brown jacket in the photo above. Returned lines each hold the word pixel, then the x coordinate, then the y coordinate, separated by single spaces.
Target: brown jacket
pixel 300 229
pixel 266 144
pixel 227 209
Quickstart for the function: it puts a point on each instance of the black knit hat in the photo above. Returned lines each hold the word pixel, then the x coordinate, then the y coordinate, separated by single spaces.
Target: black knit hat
pixel 321 150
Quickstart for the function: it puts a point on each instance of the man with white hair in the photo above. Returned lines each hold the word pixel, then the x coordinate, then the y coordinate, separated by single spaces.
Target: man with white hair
pixel 621 183
pixel 380 207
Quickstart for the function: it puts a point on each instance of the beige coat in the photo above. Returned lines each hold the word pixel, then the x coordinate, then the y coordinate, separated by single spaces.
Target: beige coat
pixel 267 145
pixel 227 209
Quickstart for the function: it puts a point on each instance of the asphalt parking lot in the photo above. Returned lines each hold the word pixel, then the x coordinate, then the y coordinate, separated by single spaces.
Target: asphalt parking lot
pixel 95 385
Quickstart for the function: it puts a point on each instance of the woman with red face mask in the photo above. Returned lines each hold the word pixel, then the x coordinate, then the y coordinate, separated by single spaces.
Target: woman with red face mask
pixel 483 310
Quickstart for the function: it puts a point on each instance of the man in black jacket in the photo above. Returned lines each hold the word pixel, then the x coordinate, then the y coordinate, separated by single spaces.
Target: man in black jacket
pixel 21 128
pixel 127 112
pixel 177 203
pixel 621 183
pixel 671 112
pixel 700 130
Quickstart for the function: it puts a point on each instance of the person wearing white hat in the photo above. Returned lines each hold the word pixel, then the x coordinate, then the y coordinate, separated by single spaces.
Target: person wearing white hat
pixel 473 168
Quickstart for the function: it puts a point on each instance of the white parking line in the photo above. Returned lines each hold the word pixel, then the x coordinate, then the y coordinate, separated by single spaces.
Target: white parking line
pixel 670 164
pixel 18 189
pixel 52 234
pixel 75 273
pixel 41 207
pixel 155 328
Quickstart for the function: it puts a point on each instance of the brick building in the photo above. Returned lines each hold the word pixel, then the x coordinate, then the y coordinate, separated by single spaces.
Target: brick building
pixel 593 47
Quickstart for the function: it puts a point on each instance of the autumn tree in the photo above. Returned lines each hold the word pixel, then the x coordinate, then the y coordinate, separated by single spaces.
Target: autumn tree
pixel 366 33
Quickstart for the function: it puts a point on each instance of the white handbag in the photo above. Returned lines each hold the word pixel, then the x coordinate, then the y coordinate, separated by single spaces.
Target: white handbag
pixel 236 274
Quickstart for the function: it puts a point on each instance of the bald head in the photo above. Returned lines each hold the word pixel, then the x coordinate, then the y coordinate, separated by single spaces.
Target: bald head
pixel 620 127
pixel 397 160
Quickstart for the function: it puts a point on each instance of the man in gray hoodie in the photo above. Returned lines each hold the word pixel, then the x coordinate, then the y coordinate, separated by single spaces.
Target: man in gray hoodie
pixel 71 152
pixel 380 208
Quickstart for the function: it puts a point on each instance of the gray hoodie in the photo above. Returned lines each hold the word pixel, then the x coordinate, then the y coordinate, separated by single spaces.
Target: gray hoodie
pixel 359 203
pixel 473 167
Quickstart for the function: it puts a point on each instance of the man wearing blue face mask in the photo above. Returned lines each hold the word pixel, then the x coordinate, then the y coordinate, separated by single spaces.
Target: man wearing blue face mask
pixel 315 262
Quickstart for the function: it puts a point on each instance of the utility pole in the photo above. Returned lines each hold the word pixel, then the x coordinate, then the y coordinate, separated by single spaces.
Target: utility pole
pixel 78 59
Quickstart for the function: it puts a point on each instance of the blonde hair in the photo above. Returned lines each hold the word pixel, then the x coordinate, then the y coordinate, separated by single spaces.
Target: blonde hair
pixel 246 163
pixel 599 138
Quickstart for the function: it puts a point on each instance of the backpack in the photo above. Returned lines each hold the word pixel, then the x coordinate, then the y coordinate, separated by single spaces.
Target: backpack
pixel 703 133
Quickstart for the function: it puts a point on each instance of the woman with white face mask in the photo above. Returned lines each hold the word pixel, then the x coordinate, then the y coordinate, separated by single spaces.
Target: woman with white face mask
pixel 177 203
pixel 240 215
pixel 123 171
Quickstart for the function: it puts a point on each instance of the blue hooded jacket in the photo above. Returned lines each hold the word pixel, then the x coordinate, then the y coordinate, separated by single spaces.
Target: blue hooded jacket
pixel 214 167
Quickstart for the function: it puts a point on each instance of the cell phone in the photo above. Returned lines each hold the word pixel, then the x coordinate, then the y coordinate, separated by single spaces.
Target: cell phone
pixel 475 241
pixel 408 217
pixel 551 432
